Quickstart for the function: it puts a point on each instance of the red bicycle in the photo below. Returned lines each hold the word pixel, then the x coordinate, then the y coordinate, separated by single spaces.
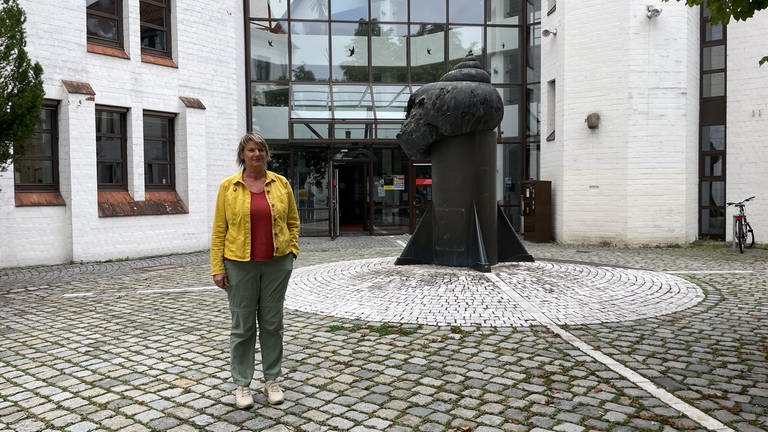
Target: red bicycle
pixel 743 230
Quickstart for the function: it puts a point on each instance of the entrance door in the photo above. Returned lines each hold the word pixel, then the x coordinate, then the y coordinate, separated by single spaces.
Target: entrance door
pixel 420 190
pixel 351 197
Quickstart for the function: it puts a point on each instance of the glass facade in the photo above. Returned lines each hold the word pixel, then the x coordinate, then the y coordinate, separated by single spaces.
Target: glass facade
pixel 330 81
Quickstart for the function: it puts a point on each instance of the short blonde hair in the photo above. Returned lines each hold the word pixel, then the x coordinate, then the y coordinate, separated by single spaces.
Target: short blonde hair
pixel 251 137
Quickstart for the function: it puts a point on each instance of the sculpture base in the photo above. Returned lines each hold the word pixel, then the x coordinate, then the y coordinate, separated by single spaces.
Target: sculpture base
pixel 422 248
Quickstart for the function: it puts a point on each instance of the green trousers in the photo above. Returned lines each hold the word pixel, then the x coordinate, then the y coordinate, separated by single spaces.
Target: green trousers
pixel 256 295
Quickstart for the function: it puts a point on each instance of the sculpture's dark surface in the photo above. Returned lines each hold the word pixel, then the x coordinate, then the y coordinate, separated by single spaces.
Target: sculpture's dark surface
pixel 453 122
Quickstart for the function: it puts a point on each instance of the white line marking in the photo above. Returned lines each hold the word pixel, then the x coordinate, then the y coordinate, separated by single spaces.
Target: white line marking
pixel 149 291
pixel 692 412
pixel 708 271
pixel 77 294
pixel 400 242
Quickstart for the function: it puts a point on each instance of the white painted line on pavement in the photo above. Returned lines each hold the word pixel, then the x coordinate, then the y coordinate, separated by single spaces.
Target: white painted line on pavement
pixel 673 401
pixel 708 271
pixel 159 290
pixel 77 294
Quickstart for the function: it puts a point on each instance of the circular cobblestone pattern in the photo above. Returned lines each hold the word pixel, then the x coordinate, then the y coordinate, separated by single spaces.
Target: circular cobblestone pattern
pixel 377 290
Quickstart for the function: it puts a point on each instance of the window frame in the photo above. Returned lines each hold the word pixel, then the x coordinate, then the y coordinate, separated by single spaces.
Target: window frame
pixel 48 105
pixel 119 43
pixel 123 186
pixel 166 28
pixel 170 118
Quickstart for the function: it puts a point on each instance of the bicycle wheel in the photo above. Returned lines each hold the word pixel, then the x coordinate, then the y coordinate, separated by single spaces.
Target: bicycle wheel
pixel 740 235
pixel 750 238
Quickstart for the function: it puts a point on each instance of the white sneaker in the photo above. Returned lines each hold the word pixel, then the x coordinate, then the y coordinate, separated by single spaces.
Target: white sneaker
pixel 273 392
pixel 243 397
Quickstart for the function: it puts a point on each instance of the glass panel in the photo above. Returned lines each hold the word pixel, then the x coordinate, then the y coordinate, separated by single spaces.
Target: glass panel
pixel 391 217
pixel 311 131
pixel 713 165
pixel 532 146
pixel 49 117
pixel 423 192
pixel 108 122
pixel 157 174
pixel 713 137
pixel 427 51
pixel 268 8
pixel 311 180
pixel 353 131
pixel 102 27
pixel 713 32
pixel 109 173
pixel 534 109
pixel 156 150
pixel 349 10
pixel 713 221
pixel 109 148
pixel 511 158
pixel 152 14
pixel 714 84
pixel 315 9
pixel 464 11
pixel 33 172
pixel 269 110
pixel 714 57
pixel 349 49
pixel 352 102
pixel 713 193
pixel 428 11
pixel 153 39
pixel 389 53
pixel 534 11
pixel 504 54
pixel 389 10
pixel 310 51
pixel 269 51
pixel 387 130
pixel 390 101
pixel 464 40
pixel 390 180
pixel 533 58
pixel 280 162
pixel 106 6
pixel 41 144
pixel 510 123
pixel 504 11
pixel 156 127
pixel 311 101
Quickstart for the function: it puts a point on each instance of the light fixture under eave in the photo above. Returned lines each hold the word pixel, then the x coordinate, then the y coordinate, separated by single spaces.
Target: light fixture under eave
pixel 547 32
pixel 653 11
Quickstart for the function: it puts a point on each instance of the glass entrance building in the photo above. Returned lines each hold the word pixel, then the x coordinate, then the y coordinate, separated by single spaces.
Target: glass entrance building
pixel 328 85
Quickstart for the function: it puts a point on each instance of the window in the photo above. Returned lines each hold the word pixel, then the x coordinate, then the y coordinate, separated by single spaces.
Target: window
pixel 104 22
pixel 155 27
pixel 158 151
pixel 110 148
pixel 38 169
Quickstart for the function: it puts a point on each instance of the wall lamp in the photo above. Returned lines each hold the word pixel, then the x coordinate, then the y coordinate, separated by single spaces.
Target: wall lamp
pixel 653 11
pixel 547 32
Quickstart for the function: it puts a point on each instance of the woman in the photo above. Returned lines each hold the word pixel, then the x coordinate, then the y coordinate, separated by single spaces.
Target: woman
pixel 254 241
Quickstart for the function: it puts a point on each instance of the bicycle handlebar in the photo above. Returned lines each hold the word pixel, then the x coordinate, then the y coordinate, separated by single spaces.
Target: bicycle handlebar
pixel 740 203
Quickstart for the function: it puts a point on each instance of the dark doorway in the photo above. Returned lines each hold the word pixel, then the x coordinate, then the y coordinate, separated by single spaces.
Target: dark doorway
pixel 352 183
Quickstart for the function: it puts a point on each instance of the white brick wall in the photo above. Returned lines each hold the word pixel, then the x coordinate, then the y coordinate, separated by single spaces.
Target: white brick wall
pixel 208 49
pixel 634 179
pixel 747 122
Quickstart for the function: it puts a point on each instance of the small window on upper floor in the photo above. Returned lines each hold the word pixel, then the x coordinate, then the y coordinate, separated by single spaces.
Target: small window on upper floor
pixel 104 22
pixel 156 27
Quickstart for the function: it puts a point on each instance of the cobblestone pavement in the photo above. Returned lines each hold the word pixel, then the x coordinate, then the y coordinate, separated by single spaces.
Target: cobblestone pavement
pixel 142 345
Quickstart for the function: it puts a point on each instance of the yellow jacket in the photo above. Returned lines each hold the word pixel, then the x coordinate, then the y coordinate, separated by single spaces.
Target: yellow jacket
pixel 231 234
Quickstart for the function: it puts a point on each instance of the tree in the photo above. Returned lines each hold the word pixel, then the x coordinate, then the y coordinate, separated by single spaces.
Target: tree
pixel 21 85
pixel 721 11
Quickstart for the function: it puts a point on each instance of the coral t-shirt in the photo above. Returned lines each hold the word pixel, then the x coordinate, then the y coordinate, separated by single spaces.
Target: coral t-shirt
pixel 262 246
